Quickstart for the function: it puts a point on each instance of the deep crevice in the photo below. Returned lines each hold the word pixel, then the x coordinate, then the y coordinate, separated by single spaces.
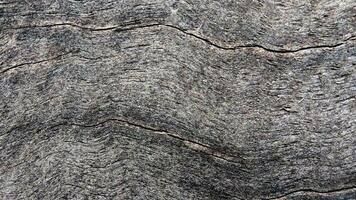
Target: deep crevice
pixel 191 144
pixel 120 29
pixel 259 46
pixel 35 62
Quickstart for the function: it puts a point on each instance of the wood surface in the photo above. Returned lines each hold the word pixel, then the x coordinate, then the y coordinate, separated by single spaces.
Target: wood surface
pixel 177 99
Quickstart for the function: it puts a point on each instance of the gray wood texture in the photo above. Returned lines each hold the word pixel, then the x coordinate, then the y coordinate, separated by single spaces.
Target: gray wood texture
pixel 177 99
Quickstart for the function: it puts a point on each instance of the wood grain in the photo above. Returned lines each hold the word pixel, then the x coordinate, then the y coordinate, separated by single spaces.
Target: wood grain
pixel 153 99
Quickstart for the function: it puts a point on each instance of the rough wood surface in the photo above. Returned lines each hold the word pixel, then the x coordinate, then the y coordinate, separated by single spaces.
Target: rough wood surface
pixel 177 99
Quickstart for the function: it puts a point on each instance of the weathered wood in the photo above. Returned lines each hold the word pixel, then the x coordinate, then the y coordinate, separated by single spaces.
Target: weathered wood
pixel 153 99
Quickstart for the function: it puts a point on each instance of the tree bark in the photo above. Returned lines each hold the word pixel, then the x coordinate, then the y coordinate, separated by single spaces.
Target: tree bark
pixel 177 99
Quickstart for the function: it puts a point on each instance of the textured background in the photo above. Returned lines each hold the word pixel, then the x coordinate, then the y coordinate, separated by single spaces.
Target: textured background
pixel 177 99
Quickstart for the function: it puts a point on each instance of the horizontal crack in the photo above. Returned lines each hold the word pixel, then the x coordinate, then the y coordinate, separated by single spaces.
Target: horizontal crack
pixel 345 189
pixel 35 62
pixel 259 46
pixel 193 145
pixel 291 50
pixel 119 29
pixel 63 24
